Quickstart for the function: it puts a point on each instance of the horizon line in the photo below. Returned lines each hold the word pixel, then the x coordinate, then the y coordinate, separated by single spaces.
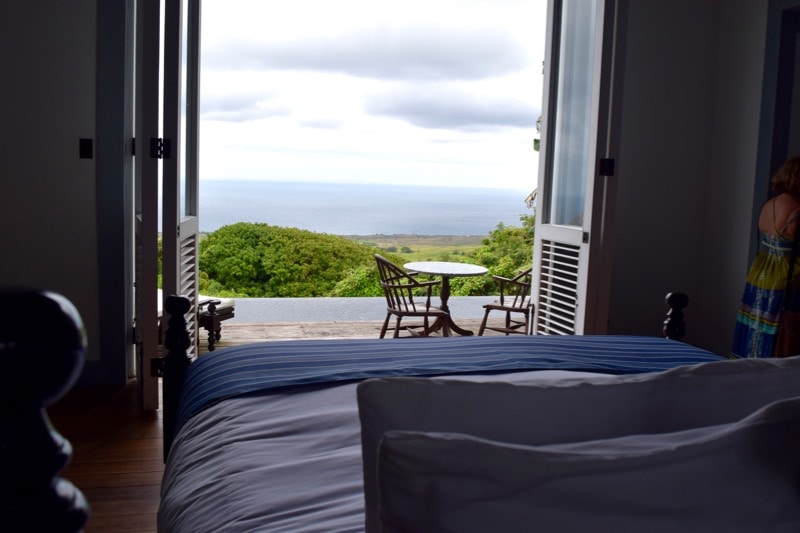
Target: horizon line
pixel 345 182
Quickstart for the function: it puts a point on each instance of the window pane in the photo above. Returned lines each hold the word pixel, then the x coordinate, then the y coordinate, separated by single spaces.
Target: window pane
pixel 572 112
pixel 182 167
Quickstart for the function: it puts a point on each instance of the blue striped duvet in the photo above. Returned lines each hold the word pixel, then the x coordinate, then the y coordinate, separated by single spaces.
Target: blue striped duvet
pixel 269 365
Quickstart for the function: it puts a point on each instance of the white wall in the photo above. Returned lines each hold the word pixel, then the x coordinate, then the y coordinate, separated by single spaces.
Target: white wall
pixel 730 225
pixel 47 207
pixel 662 165
pixel 686 163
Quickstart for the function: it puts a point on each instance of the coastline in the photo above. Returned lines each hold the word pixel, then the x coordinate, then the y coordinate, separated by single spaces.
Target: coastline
pixel 422 247
pixel 430 240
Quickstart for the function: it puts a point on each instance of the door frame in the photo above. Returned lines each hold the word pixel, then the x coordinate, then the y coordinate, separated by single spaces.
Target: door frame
pixel 778 91
pixel 145 219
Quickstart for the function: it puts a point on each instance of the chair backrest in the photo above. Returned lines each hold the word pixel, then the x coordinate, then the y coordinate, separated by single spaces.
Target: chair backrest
pixel 517 291
pixel 398 286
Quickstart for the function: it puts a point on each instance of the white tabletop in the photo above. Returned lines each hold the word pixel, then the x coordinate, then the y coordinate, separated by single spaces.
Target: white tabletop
pixel 446 268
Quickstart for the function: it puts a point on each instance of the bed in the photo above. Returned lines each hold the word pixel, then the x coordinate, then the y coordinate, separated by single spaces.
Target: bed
pixel 609 433
pixel 342 435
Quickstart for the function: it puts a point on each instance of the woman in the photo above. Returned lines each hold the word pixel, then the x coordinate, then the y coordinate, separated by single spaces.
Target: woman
pixel 757 320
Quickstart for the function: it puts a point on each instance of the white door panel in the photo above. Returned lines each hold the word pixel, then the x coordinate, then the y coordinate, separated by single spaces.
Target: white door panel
pixel 575 152
pixel 172 154
pixel 181 88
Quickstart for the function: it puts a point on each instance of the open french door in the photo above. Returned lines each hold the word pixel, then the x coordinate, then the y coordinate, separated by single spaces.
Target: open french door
pixel 174 101
pixel 574 215
pixel 180 182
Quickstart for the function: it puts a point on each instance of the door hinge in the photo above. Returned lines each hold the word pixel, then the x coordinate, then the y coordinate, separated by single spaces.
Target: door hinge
pixel 606 166
pixel 157 367
pixel 160 148
pixel 585 237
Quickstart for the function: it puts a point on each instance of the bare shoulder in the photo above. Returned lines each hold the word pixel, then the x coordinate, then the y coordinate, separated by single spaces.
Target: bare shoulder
pixel 778 215
pixel 787 208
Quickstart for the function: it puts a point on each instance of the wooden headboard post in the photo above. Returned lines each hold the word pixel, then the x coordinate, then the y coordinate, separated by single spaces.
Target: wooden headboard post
pixel 674 325
pixel 176 342
pixel 42 348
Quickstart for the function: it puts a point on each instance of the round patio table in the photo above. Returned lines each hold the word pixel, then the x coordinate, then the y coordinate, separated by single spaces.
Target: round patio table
pixel 446 270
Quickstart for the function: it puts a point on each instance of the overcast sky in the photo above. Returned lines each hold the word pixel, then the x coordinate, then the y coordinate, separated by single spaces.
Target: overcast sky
pixel 423 92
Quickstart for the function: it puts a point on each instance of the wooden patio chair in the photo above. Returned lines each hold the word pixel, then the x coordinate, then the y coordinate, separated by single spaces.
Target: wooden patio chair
pixel 514 302
pixel 407 297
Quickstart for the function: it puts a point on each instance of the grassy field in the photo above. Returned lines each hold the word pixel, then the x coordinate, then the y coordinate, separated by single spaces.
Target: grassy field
pixel 423 247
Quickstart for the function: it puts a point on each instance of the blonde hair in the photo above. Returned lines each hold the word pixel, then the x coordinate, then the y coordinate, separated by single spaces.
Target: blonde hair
pixel 787 179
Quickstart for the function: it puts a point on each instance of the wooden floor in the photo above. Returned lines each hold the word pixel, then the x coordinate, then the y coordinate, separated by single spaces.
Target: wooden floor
pixel 117 458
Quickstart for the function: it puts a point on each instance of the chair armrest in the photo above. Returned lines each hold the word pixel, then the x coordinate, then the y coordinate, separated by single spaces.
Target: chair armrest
pixel 408 285
pixel 413 285
pixel 429 285
pixel 505 282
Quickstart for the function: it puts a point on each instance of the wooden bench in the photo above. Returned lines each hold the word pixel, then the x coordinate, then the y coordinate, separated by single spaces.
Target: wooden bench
pixel 211 312
pixel 210 315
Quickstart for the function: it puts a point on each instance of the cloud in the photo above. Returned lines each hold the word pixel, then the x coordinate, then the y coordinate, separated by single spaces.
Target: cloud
pixel 322 123
pixel 419 52
pixel 366 90
pixel 241 107
pixel 452 108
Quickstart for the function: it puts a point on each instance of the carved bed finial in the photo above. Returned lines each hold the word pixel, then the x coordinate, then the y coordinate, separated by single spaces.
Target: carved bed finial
pixel 42 346
pixel 674 325
pixel 176 342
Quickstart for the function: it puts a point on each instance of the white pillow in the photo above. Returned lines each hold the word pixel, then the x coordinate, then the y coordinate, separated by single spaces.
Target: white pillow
pixel 538 412
pixel 738 477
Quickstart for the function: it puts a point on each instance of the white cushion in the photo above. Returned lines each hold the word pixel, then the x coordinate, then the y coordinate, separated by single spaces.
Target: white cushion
pixel 536 412
pixel 224 302
pixel 738 477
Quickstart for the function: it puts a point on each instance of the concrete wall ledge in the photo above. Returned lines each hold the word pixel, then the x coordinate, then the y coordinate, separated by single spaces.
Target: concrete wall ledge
pixel 271 310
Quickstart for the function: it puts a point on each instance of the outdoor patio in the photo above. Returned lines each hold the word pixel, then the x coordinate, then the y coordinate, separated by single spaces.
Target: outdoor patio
pixel 282 319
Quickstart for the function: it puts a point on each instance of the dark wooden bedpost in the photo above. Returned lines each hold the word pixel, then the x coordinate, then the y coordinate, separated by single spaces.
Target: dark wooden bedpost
pixel 674 325
pixel 42 346
pixel 176 342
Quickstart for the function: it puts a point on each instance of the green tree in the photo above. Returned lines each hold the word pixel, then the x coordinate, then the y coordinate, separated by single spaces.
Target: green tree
pixel 259 260
pixel 361 281
pixel 507 250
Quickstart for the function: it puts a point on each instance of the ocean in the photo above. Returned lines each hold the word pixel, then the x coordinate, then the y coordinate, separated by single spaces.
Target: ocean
pixel 359 209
